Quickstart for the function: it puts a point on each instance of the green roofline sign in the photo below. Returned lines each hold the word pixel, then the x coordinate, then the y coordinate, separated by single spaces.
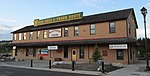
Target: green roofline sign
pixel 62 18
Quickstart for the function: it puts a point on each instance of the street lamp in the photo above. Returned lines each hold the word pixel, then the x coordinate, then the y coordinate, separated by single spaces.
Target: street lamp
pixel 144 12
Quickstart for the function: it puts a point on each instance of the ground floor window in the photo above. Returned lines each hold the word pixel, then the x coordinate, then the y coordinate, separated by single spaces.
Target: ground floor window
pixel 27 52
pixel 65 51
pixel 130 53
pixel 34 52
pixel 16 52
pixel 81 52
pixel 120 54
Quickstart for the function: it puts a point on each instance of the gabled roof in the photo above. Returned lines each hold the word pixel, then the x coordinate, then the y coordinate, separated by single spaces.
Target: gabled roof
pixel 103 17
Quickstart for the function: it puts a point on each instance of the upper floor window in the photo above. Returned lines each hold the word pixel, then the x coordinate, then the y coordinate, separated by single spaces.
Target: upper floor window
pixel 76 33
pixel 15 37
pixel 24 36
pixel 45 34
pixel 112 27
pixel 31 35
pixel 38 34
pixel 19 36
pixel 66 32
pixel 129 28
pixel 92 29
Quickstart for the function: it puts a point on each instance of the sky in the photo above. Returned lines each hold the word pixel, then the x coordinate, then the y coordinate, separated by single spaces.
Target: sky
pixel 15 14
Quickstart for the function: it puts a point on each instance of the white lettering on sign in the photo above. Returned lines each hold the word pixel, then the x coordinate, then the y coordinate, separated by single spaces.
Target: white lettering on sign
pixel 118 46
pixel 52 47
pixel 55 33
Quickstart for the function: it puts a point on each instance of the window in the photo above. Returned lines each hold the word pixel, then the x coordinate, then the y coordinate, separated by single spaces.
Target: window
pixel 16 52
pixel 120 55
pixel 34 52
pixel 66 32
pixel 65 51
pixel 112 27
pixel 27 52
pixel 38 34
pixel 19 36
pixel 81 51
pixel 45 34
pixel 104 53
pixel 15 37
pixel 31 35
pixel 76 31
pixel 92 29
pixel 129 28
pixel 24 36
pixel 130 52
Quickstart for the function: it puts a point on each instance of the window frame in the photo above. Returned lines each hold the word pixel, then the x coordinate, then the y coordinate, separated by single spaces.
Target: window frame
pixel 112 29
pixel 30 35
pixel 45 34
pixel 66 34
pixel 20 36
pixel 129 28
pixel 38 35
pixel 92 29
pixel 76 31
pixel 81 52
pixel 16 52
pixel 34 52
pixel 14 36
pixel 27 51
pixel 65 51
pixel 24 36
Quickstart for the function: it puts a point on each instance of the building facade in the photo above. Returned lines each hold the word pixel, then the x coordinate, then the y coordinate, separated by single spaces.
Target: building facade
pixel 73 37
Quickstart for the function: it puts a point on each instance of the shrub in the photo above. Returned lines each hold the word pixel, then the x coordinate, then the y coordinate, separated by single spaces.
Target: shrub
pixel 96 54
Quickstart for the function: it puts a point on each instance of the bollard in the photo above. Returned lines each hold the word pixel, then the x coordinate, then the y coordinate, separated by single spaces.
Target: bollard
pixel 73 63
pixel 49 64
pixel 31 63
pixel 103 70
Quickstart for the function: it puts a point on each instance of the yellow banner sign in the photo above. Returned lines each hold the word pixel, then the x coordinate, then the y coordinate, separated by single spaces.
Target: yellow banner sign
pixel 62 18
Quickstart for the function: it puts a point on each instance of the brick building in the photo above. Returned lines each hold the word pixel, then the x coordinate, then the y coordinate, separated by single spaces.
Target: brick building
pixel 74 36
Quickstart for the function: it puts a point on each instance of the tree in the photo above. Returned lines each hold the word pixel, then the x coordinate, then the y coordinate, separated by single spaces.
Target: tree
pixel 141 47
pixel 96 54
pixel 5 47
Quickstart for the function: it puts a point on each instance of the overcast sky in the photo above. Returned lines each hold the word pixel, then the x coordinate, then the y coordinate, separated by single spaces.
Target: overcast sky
pixel 15 14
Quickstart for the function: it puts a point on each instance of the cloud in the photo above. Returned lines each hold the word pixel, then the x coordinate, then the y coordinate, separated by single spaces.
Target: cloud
pixel 148 4
pixel 16 27
pixel 141 33
pixel 5 30
pixel 92 3
pixel 7 20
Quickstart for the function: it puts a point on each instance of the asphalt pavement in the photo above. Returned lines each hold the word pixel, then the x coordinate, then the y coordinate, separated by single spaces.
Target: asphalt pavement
pixel 13 71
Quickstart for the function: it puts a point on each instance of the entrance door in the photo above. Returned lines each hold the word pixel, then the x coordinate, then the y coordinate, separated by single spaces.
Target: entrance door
pixel 74 54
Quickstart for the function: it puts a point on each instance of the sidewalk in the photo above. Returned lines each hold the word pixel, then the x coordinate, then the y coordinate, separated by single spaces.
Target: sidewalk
pixel 128 70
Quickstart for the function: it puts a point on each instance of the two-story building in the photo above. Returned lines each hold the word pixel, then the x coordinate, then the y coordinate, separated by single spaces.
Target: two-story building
pixel 74 36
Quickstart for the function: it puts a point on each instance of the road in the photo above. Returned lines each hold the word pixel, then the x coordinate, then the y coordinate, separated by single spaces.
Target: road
pixel 12 71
